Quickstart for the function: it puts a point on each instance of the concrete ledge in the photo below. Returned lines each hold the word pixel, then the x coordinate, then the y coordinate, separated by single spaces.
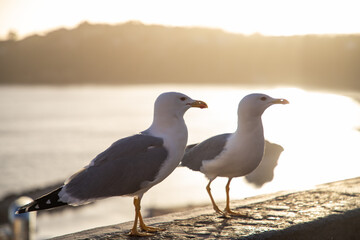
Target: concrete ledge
pixel 328 211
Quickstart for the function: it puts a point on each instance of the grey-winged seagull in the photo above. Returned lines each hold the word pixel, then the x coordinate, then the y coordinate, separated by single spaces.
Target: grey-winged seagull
pixel 131 165
pixel 233 154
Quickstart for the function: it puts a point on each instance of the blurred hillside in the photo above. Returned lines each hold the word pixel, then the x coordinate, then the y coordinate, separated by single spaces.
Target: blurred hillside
pixel 137 53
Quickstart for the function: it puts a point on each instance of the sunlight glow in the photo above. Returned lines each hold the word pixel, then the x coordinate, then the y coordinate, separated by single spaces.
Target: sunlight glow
pixel 278 17
pixel 317 131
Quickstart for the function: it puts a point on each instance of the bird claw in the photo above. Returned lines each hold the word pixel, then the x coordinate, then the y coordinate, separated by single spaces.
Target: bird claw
pixel 223 214
pixel 219 211
pixel 151 229
pixel 136 233
pixel 236 214
pixel 148 231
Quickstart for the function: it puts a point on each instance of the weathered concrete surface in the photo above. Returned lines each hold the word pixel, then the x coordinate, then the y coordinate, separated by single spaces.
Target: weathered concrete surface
pixel 329 211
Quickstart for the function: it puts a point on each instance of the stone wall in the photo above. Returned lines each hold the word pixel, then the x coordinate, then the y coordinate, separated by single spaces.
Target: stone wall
pixel 329 211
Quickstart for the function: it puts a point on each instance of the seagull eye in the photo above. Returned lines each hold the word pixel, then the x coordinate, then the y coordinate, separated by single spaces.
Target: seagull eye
pixel 263 98
pixel 183 98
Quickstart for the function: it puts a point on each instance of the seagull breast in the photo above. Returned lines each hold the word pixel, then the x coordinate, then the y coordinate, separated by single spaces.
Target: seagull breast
pixel 241 155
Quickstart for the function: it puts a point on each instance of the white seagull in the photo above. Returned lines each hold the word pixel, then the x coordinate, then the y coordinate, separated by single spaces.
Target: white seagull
pixel 131 165
pixel 233 154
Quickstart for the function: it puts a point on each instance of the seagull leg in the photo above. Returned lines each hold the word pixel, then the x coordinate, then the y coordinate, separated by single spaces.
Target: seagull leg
pixel 142 224
pixel 208 189
pixel 227 208
pixel 147 228
pixel 134 231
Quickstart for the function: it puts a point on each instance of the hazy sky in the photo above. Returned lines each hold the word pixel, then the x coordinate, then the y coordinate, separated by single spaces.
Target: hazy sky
pixel 270 17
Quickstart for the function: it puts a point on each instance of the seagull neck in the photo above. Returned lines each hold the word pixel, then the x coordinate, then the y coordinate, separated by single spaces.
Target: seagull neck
pixel 163 124
pixel 249 124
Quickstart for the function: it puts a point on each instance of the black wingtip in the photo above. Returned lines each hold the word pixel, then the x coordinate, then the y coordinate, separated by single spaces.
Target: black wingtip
pixel 25 208
pixel 50 200
pixel 20 211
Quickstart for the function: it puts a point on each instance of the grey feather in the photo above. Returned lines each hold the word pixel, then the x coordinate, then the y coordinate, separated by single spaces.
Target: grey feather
pixel 188 147
pixel 206 150
pixel 120 169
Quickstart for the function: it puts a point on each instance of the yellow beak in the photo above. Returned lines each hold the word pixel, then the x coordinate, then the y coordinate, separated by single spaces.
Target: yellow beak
pixel 280 101
pixel 198 103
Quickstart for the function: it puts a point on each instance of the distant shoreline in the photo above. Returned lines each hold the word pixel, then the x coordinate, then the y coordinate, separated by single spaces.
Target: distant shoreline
pixel 135 53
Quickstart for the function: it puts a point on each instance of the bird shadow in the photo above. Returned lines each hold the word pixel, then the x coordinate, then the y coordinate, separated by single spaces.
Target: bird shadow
pixel 265 171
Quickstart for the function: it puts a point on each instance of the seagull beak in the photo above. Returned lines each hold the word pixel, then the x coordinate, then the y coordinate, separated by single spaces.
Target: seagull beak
pixel 280 101
pixel 198 103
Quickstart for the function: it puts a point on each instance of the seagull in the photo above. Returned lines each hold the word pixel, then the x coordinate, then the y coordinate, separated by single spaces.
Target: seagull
pixel 131 165
pixel 233 154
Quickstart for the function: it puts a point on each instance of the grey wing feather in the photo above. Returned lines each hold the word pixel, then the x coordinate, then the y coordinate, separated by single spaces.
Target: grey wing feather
pixel 120 169
pixel 206 150
pixel 189 147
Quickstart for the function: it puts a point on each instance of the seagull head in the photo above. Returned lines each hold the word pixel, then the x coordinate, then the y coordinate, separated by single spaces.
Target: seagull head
pixel 175 104
pixel 255 104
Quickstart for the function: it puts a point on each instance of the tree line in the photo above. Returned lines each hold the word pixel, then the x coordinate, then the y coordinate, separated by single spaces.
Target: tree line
pixel 134 53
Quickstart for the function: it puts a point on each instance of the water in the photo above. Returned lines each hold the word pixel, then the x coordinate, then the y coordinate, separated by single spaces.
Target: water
pixel 48 133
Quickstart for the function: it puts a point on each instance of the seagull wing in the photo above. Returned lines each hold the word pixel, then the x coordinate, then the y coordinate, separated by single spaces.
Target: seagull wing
pixel 119 170
pixel 206 150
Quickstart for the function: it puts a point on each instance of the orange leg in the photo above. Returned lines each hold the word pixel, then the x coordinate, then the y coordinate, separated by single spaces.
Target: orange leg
pixel 208 189
pixel 147 228
pixel 227 208
pixel 134 231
